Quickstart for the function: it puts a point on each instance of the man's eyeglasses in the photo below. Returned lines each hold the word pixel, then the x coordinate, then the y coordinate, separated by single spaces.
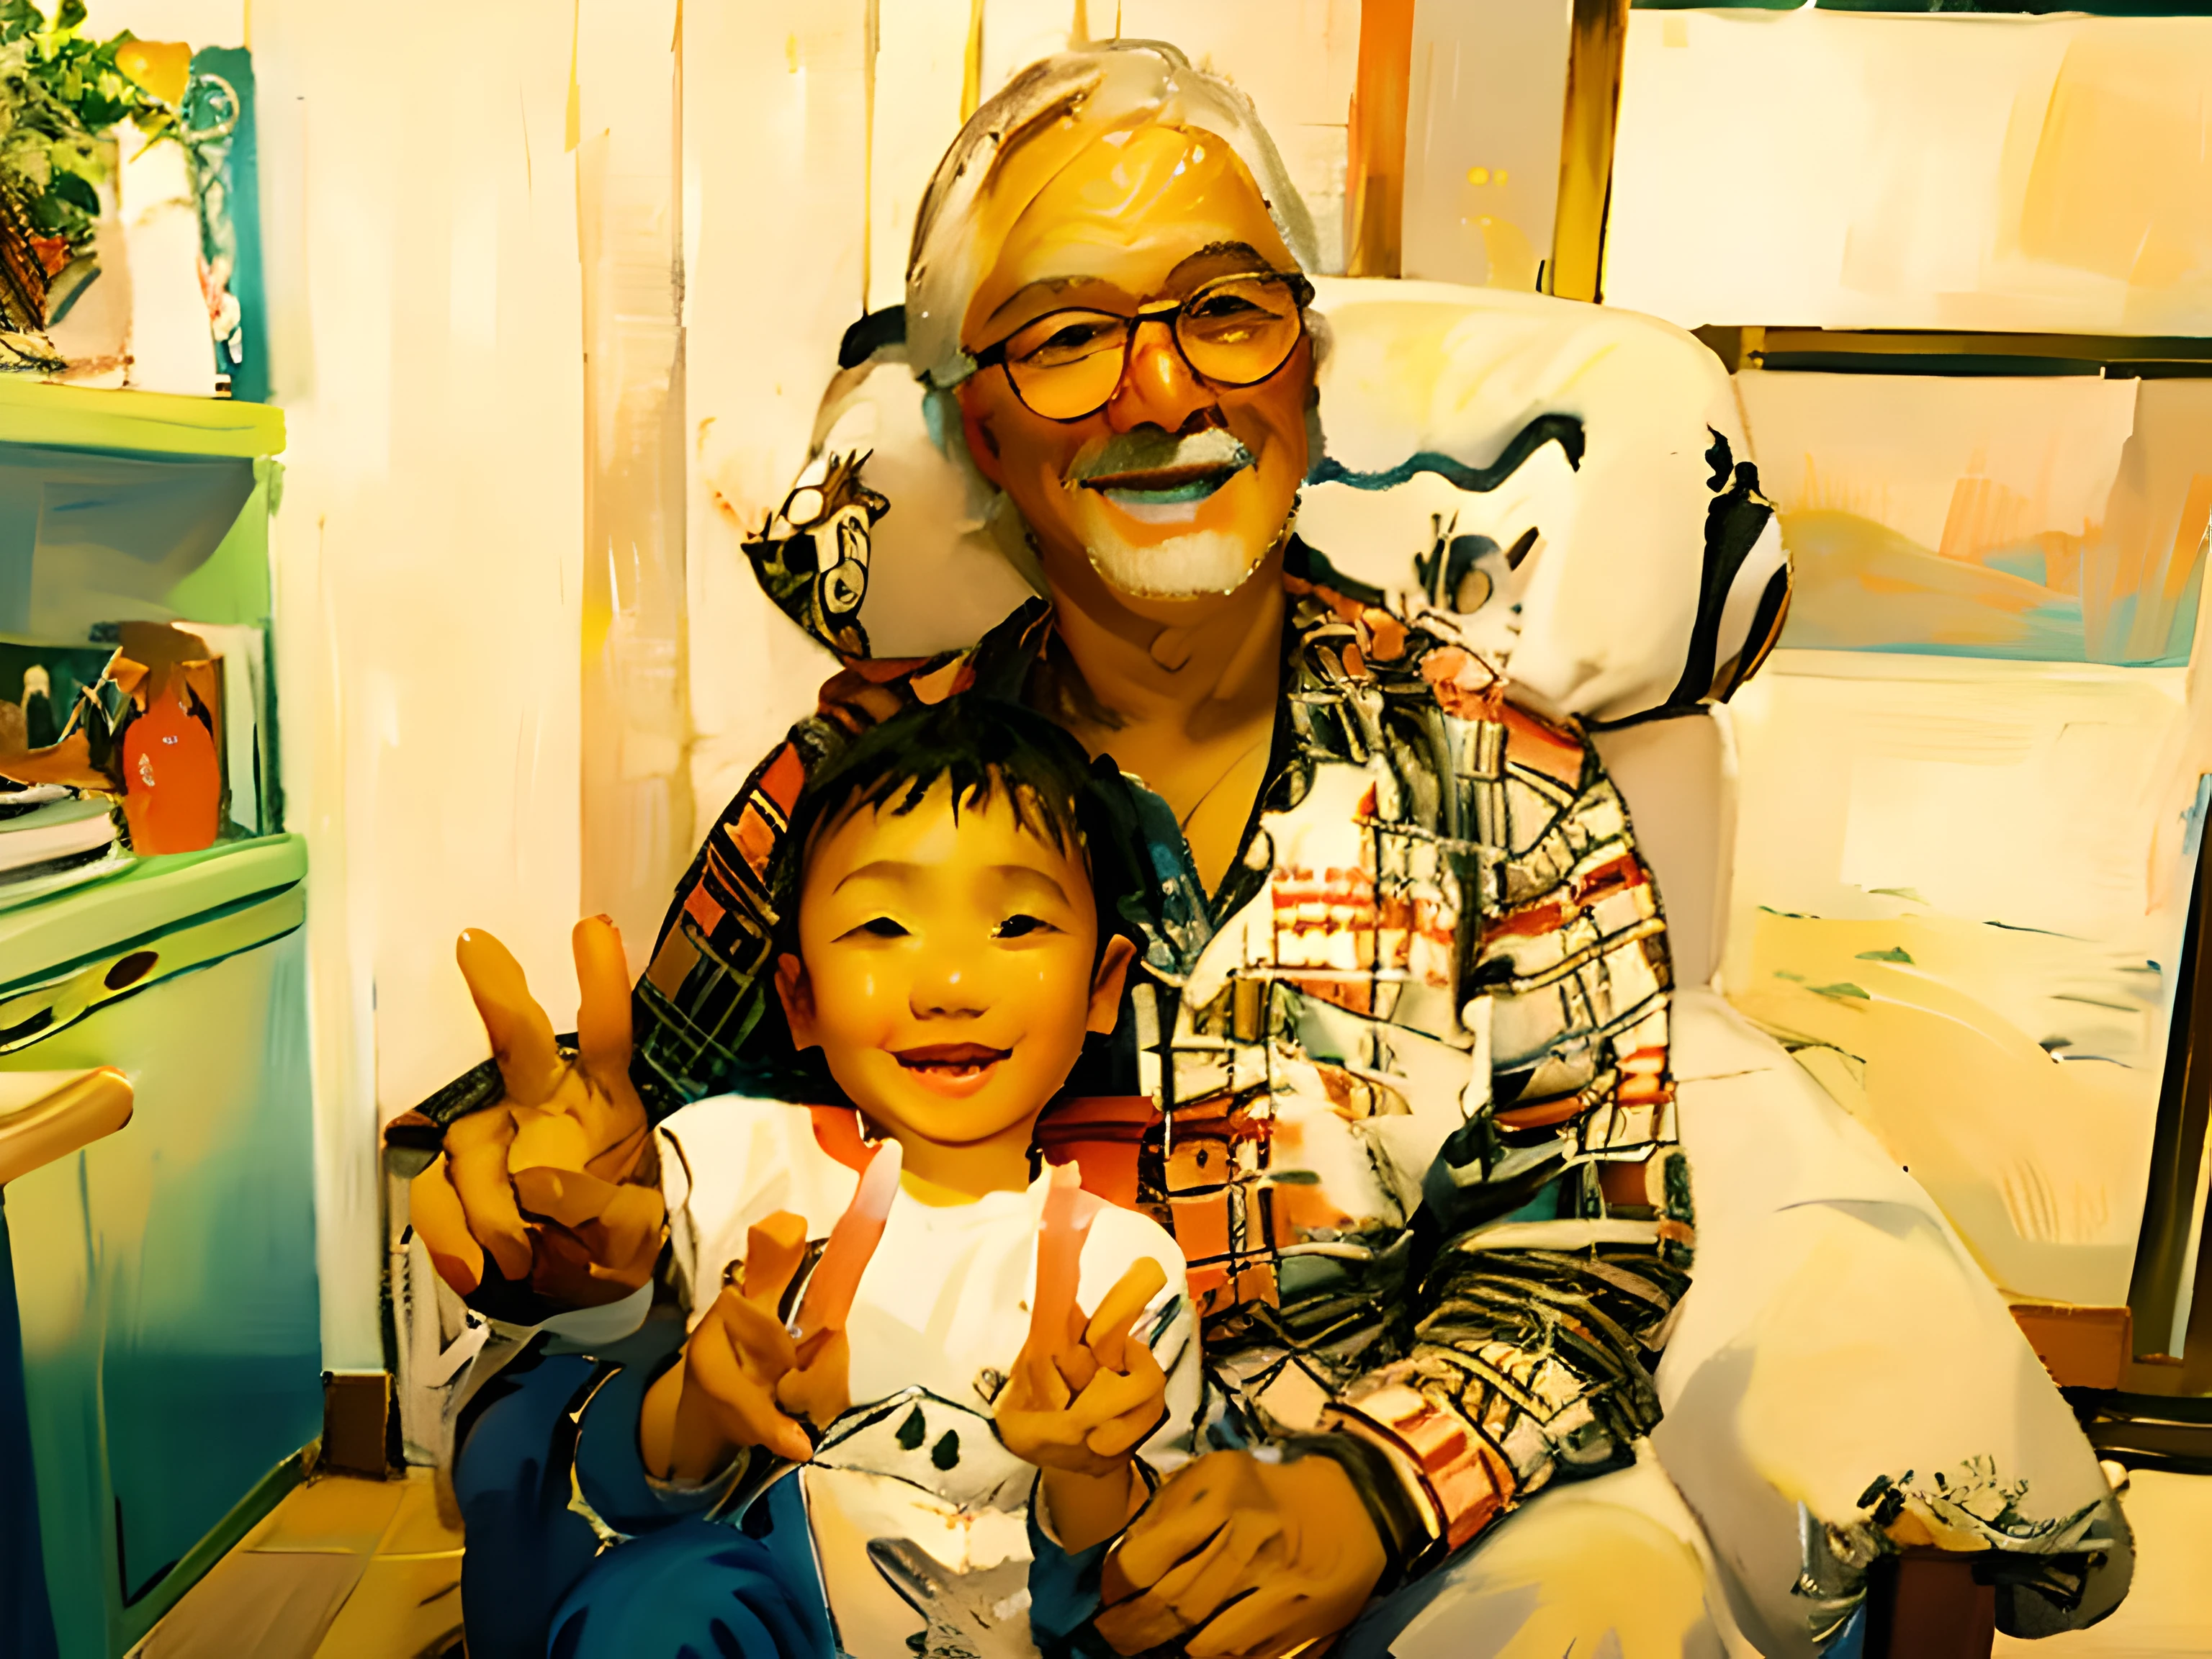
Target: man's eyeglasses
pixel 1233 331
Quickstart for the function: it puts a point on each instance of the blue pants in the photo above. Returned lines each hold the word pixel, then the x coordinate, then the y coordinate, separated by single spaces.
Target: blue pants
pixel 537 1580
pixel 701 1590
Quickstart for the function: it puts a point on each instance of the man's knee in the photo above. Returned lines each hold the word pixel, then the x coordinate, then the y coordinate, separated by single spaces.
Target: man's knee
pixel 1569 1573
pixel 696 1586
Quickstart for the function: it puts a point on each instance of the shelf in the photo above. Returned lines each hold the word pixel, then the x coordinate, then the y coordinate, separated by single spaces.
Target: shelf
pixel 1813 662
pixel 151 893
pixel 1924 351
pixel 142 422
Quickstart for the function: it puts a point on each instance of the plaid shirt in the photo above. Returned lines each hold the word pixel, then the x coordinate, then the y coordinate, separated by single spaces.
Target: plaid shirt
pixel 1368 1083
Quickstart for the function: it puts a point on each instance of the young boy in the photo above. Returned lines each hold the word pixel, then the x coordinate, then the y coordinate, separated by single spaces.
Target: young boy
pixel 949 944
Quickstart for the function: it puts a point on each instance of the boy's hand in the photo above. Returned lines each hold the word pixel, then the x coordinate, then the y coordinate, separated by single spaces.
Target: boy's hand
pixel 1082 1401
pixel 557 1181
pixel 746 1379
pixel 1084 1394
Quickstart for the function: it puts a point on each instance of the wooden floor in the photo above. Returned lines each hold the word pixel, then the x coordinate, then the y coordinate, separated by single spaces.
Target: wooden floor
pixel 342 1569
pixel 348 1569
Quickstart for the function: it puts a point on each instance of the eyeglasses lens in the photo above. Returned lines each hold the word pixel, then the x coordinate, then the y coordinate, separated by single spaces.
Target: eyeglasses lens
pixel 1235 332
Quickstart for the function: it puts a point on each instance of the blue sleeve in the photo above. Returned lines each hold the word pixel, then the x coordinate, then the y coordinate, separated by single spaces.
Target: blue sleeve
pixel 1064 1594
pixel 611 1474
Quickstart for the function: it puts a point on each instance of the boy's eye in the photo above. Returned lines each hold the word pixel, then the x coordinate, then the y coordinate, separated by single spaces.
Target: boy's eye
pixel 1021 927
pixel 881 927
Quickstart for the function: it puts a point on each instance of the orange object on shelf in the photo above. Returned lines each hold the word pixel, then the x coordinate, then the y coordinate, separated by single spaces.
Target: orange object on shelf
pixel 172 777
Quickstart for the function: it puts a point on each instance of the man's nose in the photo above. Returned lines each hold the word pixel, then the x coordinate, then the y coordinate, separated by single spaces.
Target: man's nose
pixel 1158 387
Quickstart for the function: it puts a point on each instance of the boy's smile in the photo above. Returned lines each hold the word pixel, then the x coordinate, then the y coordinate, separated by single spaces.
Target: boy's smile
pixel 948 970
pixel 954 1070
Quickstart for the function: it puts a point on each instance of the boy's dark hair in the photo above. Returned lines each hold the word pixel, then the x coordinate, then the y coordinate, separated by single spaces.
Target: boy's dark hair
pixel 984 747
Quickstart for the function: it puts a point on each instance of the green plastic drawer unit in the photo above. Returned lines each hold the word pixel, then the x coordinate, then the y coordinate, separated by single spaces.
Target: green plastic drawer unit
pixel 164 1276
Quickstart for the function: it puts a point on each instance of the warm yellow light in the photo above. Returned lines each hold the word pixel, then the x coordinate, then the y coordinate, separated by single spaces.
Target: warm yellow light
pixel 164 68
pixel 1478 175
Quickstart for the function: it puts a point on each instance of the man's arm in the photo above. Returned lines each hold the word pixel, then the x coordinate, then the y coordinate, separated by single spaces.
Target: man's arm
pixel 704 991
pixel 1527 1365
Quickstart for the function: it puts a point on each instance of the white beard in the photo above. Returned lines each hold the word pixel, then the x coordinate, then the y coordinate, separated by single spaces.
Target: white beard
pixel 1187 566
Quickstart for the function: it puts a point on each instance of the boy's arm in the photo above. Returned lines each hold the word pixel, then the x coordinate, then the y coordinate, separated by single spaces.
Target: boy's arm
pixel 1082 1510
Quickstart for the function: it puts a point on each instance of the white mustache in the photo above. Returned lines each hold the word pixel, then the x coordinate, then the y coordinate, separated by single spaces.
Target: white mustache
pixel 1151 450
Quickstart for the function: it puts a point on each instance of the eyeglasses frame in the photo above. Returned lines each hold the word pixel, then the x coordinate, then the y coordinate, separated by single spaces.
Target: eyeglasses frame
pixel 1301 295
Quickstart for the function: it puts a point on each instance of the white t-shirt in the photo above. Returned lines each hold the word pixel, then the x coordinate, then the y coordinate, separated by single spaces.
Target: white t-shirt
pixel 939 1318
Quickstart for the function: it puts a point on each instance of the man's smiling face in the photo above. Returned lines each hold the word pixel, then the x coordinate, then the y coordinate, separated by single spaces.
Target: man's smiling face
pixel 1179 486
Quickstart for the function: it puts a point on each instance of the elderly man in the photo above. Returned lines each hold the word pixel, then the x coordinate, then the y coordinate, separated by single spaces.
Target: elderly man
pixel 1400 1069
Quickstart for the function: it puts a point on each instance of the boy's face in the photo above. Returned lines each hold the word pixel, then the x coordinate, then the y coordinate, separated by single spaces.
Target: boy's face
pixel 948 971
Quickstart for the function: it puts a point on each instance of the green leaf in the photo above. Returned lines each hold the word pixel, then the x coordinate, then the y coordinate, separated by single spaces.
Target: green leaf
pixel 1841 989
pixel 56 217
pixel 73 190
pixel 1895 953
pixel 70 16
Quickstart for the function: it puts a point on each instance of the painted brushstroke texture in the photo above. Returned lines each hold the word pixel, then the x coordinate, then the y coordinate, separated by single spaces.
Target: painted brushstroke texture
pixel 1959 898
pixel 425 338
pixel 2026 820
pixel 1919 172
pixel 1482 142
pixel 2053 520
pixel 635 777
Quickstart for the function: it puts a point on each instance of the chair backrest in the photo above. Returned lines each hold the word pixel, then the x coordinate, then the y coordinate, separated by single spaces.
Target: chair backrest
pixel 1596 456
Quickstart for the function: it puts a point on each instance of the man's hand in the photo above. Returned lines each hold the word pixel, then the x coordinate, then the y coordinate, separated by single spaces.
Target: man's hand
pixel 1243 1557
pixel 556 1182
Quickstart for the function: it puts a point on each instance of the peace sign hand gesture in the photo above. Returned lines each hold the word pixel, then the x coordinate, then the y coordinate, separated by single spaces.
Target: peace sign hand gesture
pixel 557 1180
pixel 747 1377
pixel 1085 1391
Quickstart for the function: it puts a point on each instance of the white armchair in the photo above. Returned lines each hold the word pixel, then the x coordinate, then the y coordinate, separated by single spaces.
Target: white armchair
pixel 1840 1363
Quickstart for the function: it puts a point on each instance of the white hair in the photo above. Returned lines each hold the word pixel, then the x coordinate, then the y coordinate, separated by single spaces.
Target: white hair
pixel 1075 95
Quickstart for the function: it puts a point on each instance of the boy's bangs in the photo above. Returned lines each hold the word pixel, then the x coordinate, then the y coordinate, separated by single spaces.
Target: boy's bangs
pixel 981 748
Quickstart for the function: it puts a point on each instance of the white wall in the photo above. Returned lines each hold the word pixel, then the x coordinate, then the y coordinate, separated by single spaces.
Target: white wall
pixel 419 218
pixel 421 231
pixel 1967 172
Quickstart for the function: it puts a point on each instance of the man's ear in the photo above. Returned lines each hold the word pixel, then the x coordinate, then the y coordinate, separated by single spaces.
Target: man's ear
pixel 976 426
pixel 1106 984
pixel 796 992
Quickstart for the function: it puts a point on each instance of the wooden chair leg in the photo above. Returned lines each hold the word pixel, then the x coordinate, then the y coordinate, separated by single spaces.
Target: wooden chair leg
pixel 1929 1604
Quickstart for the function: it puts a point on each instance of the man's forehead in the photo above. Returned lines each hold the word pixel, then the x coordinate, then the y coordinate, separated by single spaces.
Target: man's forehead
pixel 1191 271
pixel 1130 208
